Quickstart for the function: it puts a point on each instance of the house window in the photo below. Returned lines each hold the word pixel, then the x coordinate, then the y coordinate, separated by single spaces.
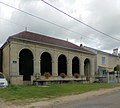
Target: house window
pixel 104 72
pixel 103 60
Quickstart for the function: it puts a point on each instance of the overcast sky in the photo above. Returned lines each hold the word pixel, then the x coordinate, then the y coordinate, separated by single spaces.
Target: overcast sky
pixel 103 15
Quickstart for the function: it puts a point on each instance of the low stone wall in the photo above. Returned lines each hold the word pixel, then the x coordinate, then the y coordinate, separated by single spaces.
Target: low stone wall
pixel 16 80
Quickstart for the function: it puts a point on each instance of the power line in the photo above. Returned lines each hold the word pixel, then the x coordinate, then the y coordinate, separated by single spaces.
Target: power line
pixel 39 18
pixel 12 22
pixel 83 36
pixel 45 21
pixel 80 21
pixel 42 19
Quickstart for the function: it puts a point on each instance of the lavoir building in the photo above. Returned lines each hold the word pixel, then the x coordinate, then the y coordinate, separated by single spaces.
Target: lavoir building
pixel 26 54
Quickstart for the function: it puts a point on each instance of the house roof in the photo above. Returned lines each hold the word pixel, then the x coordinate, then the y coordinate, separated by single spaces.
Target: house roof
pixel 30 36
pixel 99 51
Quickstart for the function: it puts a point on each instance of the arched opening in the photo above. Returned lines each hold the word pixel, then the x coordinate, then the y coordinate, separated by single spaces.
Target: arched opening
pixel 62 65
pixel 26 64
pixel 75 65
pixel 87 69
pixel 46 63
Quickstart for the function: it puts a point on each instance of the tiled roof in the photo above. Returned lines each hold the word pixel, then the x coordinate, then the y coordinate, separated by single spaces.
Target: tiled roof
pixel 30 36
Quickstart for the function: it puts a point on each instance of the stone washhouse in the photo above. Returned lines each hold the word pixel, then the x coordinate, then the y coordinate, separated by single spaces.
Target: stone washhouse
pixel 27 54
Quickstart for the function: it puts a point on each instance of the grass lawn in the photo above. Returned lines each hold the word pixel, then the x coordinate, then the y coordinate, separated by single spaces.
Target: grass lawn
pixel 51 91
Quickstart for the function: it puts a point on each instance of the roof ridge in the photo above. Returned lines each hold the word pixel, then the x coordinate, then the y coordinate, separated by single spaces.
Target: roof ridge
pixel 49 40
pixel 48 36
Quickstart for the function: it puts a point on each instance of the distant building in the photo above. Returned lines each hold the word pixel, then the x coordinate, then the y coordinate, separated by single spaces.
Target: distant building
pixel 105 62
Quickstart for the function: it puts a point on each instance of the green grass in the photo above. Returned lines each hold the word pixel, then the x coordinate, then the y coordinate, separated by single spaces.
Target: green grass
pixel 51 91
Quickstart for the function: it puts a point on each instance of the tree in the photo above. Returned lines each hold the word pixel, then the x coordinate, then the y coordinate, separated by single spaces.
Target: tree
pixel 117 68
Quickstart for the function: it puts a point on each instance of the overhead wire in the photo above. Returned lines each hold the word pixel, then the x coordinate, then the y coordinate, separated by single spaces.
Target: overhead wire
pixel 43 20
pixel 83 36
pixel 88 38
pixel 38 17
pixel 105 34
pixel 12 22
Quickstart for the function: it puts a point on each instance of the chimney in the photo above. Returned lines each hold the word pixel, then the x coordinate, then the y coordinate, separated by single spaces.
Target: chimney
pixel 115 51
pixel 81 45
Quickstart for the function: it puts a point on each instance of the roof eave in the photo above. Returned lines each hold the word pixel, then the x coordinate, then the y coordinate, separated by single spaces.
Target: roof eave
pixel 54 45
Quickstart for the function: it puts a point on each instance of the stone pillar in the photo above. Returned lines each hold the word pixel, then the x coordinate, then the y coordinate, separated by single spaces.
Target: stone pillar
pixel 82 68
pixel 18 66
pixel 55 67
pixel 92 68
pixel 108 77
pixel 36 66
pixel 69 67
pixel 14 63
pixel 79 68
pixel 82 74
pixel 39 66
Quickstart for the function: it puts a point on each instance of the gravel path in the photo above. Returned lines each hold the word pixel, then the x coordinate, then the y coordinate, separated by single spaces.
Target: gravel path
pixel 60 100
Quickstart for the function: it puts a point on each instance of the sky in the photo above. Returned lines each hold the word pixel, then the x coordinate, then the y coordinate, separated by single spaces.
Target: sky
pixel 103 15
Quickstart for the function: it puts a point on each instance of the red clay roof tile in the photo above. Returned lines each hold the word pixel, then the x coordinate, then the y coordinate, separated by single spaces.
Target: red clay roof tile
pixel 49 40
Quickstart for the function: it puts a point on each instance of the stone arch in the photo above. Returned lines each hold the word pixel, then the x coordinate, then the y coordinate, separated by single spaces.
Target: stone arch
pixel 26 64
pixel 75 65
pixel 62 64
pixel 87 69
pixel 46 63
pixel 22 48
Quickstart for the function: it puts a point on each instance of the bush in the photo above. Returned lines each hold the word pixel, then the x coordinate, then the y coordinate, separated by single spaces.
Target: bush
pixel 76 75
pixel 63 75
pixel 47 75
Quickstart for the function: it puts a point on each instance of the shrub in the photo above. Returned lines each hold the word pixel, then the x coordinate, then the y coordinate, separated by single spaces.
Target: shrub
pixel 47 75
pixel 63 75
pixel 76 75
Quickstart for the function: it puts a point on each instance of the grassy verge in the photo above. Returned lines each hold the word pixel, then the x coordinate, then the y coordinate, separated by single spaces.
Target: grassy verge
pixel 51 91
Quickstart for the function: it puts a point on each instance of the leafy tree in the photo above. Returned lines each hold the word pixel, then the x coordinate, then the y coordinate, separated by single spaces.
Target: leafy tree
pixel 117 68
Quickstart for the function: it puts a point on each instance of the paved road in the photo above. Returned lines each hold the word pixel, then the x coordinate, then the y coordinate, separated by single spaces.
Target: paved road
pixel 109 100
